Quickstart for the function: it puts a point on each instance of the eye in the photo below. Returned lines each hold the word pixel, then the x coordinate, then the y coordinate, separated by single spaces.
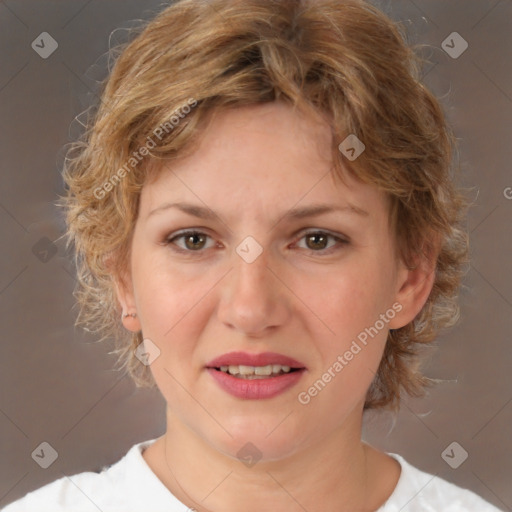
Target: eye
pixel 194 241
pixel 317 241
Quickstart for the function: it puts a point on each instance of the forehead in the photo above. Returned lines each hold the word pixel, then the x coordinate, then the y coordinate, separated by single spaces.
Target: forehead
pixel 257 158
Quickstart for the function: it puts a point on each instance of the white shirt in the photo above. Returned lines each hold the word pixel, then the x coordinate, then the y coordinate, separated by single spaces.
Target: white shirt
pixel 130 485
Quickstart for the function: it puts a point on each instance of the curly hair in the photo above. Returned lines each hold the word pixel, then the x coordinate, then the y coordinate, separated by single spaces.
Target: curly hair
pixel 343 59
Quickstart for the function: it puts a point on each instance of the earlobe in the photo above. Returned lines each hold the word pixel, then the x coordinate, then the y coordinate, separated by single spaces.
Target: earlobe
pixel 126 299
pixel 131 321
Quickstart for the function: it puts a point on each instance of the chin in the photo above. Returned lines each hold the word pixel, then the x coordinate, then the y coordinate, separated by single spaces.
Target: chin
pixel 264 440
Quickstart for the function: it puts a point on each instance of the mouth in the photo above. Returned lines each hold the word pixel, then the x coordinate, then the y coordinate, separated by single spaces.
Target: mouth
pixel 255 376
pixel 257 372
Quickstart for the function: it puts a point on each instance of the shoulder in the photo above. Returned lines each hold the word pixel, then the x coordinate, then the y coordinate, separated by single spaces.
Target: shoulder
pixel 420 491
pixel 127 485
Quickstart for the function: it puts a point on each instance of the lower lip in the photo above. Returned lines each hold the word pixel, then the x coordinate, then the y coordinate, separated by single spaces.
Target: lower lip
pixel 255 389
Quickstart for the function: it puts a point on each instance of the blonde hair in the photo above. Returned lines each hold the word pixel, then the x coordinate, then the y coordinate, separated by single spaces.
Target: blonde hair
pixel 343 59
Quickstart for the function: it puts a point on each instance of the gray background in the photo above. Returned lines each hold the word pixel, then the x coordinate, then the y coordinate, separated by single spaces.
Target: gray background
pixel 57 384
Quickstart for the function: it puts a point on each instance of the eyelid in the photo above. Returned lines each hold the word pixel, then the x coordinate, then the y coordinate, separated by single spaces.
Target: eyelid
pixel 340 239
pixel 312 231
pixel 168 240
pixel 298 236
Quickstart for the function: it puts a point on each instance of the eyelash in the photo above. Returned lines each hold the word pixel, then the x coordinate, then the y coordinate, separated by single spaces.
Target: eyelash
pixel 168 241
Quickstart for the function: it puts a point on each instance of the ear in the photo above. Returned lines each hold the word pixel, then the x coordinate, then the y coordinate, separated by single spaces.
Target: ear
pixel 125 296
pixel 415 284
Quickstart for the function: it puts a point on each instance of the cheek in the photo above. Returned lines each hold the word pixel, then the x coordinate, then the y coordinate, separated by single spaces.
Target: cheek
pixel 173 315
pixel 346 301
pixel 165 296
pixel 350 337
pixel 171 312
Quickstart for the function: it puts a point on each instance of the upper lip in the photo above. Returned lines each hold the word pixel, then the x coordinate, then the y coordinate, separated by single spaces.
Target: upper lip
pixel 246 359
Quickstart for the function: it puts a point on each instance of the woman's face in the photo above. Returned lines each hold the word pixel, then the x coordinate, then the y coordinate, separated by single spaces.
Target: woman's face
pixel 264 276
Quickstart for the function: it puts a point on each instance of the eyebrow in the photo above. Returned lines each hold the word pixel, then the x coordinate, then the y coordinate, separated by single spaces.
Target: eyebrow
pixel 313 210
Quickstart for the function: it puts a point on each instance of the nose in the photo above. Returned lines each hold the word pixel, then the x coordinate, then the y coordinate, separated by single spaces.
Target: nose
pixel 253 299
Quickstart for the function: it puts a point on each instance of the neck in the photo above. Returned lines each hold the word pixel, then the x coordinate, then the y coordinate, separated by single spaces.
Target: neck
pixel 336 473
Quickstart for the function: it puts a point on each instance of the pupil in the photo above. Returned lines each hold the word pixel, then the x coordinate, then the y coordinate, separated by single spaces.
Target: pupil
pixel 193 237
pixel 316 235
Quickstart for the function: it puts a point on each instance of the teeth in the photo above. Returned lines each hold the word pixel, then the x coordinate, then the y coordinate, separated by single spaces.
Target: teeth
pixel 255 371
pixel 245 370
pixel 263 370
pixel 234 370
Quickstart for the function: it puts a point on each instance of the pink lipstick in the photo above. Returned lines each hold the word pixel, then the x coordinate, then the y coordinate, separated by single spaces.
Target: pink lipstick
pixel 255 376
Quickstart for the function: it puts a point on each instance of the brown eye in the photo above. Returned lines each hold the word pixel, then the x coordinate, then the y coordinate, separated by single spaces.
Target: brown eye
pixel 192 241
pixel 318 241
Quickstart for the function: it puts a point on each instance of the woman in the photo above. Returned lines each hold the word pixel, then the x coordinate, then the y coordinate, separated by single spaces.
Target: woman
pixel 264 203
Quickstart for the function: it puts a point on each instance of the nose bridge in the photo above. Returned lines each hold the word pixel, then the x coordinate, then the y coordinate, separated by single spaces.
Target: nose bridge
pixel 250 260
pixel 252 299
pixel 251 279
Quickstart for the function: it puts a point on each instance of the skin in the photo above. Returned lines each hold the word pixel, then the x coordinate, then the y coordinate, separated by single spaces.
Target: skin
pixel 302 297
